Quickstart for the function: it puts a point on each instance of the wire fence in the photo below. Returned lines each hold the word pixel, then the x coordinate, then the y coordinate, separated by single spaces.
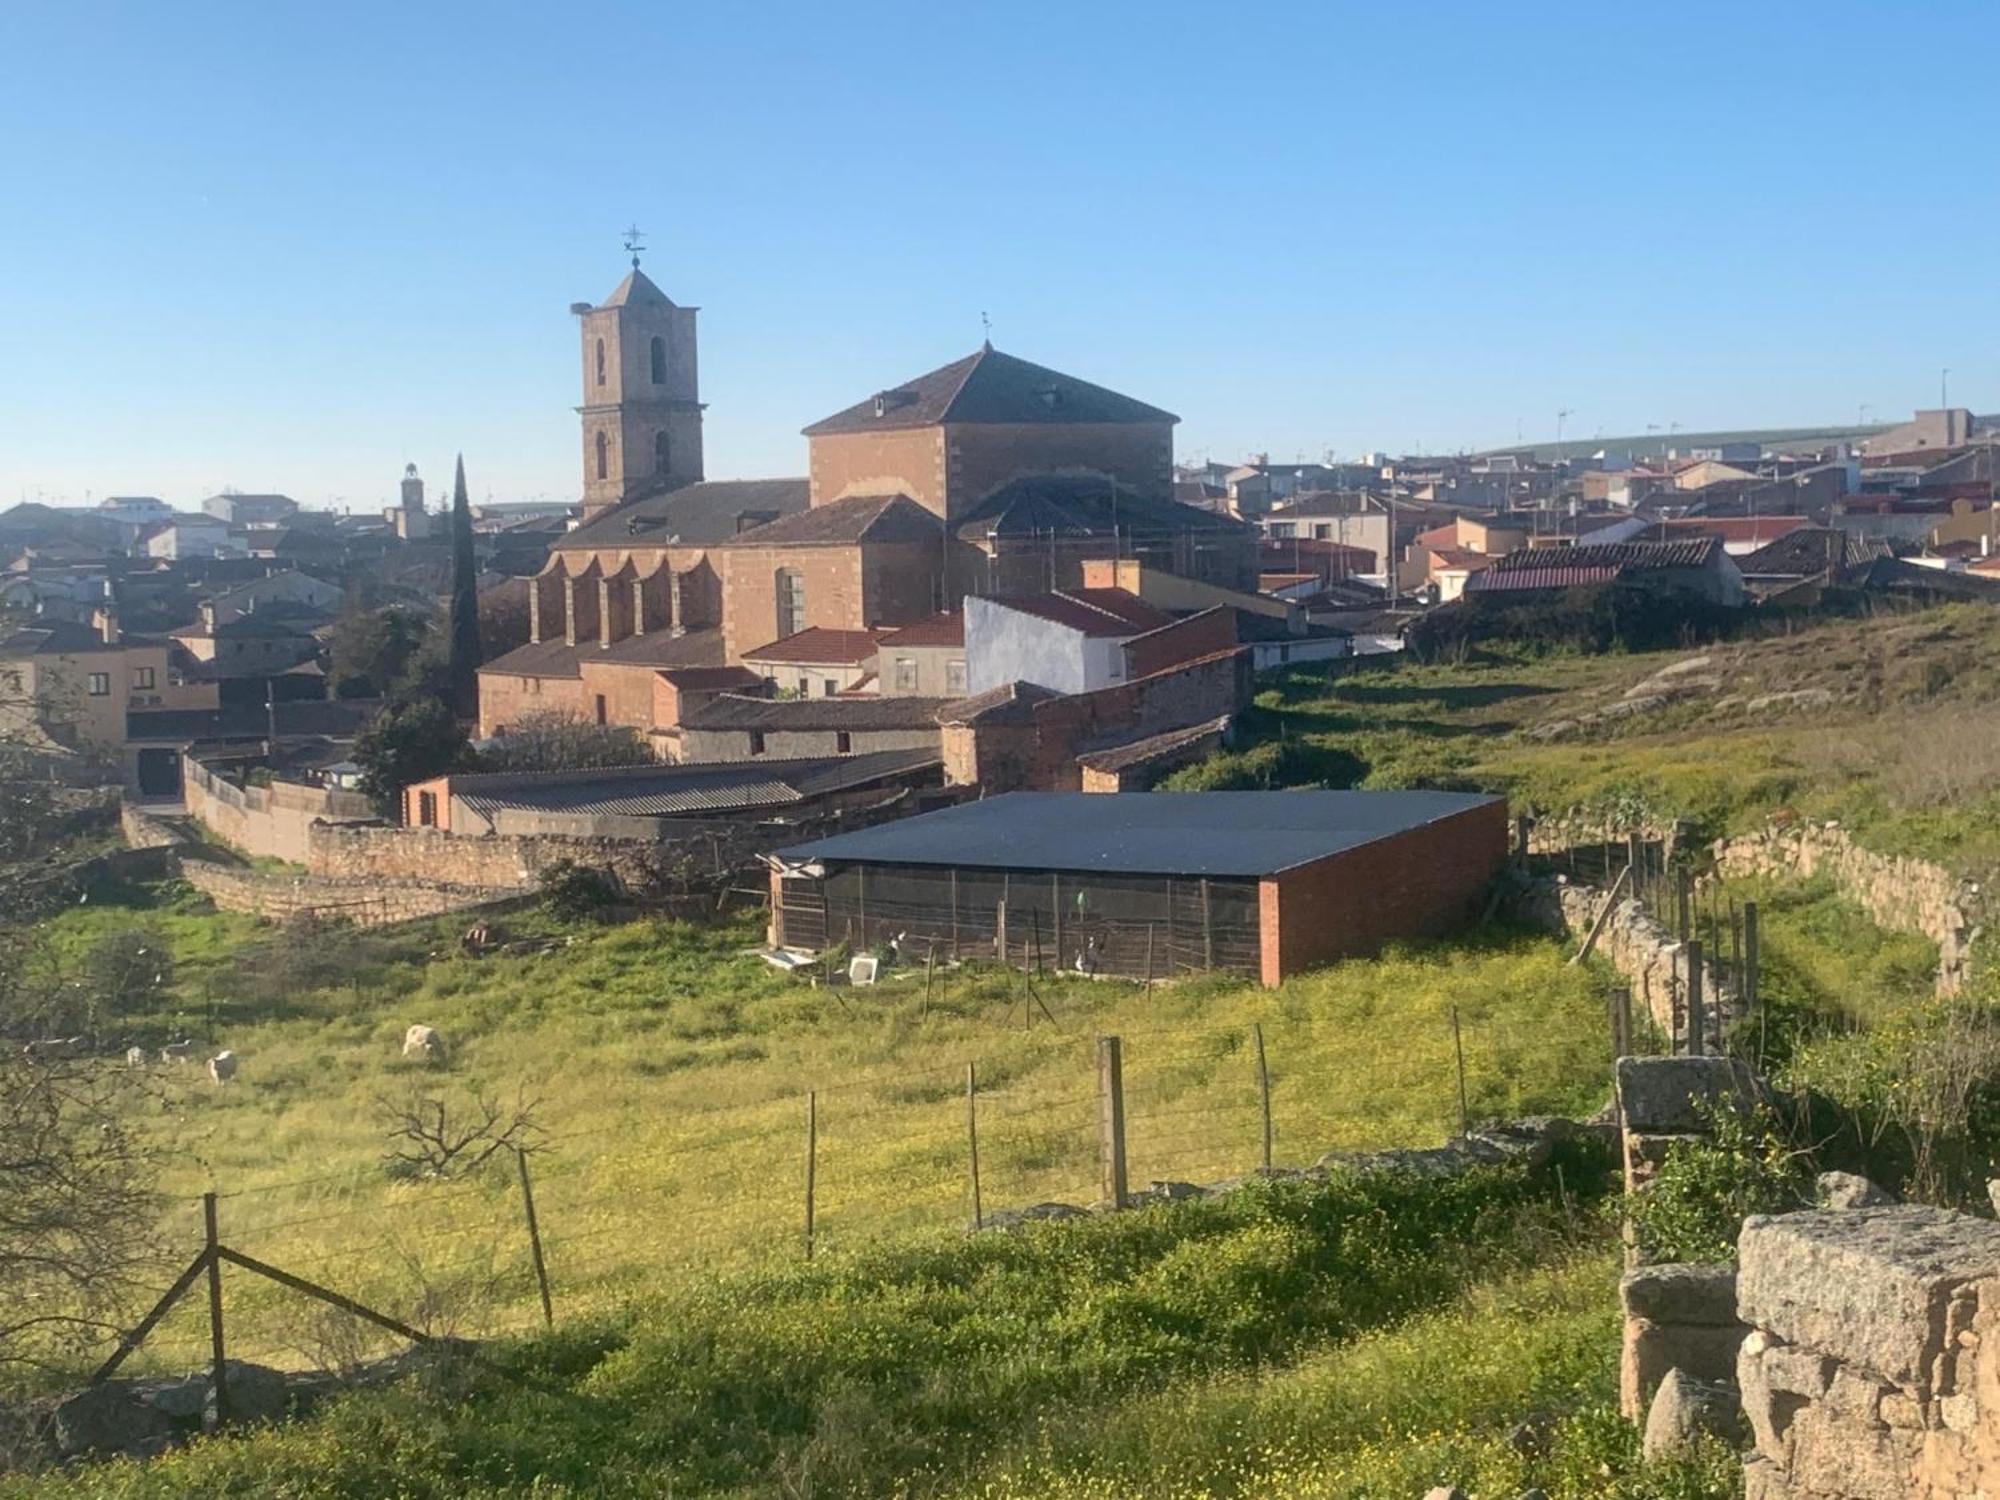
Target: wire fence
pixel 591 1219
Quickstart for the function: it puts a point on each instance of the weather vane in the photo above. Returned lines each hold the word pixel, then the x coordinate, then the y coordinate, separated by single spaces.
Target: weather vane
pixel 986 324
pixel 633 245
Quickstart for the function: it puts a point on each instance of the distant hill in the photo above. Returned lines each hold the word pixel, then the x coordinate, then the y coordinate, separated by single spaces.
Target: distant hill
pixel 1655 444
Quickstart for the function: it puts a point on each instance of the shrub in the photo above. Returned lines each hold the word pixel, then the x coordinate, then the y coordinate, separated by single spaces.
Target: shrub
pixel 1697 1201
pixel 578 893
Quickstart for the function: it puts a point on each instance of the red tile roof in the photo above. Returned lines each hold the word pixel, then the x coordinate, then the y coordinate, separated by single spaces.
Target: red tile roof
pixel 819 647
pixel 1460 557
pixel 1094 612
pixel 938 630
pixel 1439 536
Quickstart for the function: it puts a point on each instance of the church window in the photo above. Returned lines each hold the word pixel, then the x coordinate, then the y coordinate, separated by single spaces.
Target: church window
pixel 791 602
pixel 600 361
pixel 659 360
pixel 603 456
pixel 661 451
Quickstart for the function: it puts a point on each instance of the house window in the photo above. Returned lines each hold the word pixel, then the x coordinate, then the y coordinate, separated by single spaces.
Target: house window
pixel 659 360
pixel 100 684
pixel 756 742
pixel 826 687
pixel 602 716
pixel 791 602
pixel 603 456
pixel 600 361
pixel 954 677
pixel 427 809
pixel 660 453
pixel 843 742
pixel 142 677
pixel 906 674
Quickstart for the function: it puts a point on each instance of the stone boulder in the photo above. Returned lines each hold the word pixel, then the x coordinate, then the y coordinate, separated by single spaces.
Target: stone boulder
pixel 105 1420
pixel 1445 1492
pixel 1878 1284
pixel 1848 1190
pixel 1684 1410
pixel 256 1394
pixel 424 1043
pixel 1676 1095
pixel 1677 1317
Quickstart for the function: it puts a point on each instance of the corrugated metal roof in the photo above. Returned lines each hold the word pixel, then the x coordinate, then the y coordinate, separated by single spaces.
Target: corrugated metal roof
pixel 1143 833
pixel 677 791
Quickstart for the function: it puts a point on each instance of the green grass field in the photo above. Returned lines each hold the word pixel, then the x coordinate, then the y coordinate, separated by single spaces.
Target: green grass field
pixel 669 1071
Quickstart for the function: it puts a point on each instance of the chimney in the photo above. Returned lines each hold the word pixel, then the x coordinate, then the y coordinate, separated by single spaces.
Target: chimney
pixel 208 616
pixel 105 618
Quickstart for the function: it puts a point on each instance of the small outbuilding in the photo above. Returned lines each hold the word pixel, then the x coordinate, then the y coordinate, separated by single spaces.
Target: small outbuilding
pixel 1150 884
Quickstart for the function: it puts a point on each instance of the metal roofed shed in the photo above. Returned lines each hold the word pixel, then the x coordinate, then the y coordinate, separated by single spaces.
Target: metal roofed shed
pixel 650 801
pixel 1149 884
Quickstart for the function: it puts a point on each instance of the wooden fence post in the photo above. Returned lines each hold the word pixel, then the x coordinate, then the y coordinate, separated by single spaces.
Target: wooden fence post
pixel 535 1238
pixel 1000 929
pixel 218 1360
pixel 1697 1042
pixel 1458 1047
pixel 812 1162
pixel 1207 926
pixel 1111 1119
pixel 972 1139
pixel 1752 1005
pixel 1149 952
pixel 1263 1088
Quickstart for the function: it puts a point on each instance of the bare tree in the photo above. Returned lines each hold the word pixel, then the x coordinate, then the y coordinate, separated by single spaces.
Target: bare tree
pixel 431 1135
pixel 557 741
pixel 79 1216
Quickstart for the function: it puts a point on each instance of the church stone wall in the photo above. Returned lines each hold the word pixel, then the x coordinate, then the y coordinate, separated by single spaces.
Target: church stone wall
pixel 908 461
pixel 980 458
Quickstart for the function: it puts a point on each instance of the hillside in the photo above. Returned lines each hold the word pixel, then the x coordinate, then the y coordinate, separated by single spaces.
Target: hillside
pixel 1885 723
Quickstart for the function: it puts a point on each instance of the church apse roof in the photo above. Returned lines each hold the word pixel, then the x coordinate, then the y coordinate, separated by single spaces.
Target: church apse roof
pixel 988 387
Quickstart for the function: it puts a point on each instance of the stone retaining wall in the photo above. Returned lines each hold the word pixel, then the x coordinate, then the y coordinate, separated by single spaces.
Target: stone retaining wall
pixel 271 822
pixel 1643 951
pixel 366 903
pixel 1909 895
pixel 1872 1368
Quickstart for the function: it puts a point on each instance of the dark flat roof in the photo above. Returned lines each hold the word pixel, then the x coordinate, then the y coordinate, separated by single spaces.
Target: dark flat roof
pixel 1144 833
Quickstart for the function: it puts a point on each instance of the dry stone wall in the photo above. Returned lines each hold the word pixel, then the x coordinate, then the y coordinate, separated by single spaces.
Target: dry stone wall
pixel 1872 1367
pixel 365 903
pixel 1643 952
pixel 1909 895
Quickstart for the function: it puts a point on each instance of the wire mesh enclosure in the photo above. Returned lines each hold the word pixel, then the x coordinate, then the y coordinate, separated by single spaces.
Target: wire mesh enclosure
pixel 1137 926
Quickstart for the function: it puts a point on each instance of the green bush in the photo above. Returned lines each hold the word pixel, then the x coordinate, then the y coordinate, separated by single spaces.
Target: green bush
pixel 1697 1201
pixel 577 893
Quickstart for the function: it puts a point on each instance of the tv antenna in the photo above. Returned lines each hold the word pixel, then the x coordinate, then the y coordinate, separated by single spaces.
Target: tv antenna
pixel 633 237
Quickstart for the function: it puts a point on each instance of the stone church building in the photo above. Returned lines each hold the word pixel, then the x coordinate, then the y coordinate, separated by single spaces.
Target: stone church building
pixel 990 475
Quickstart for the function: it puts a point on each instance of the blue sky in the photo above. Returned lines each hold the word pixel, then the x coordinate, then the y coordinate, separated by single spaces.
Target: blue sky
pixel 287 247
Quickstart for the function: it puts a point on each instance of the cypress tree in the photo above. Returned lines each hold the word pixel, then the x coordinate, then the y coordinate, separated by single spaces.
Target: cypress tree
pixel 464 602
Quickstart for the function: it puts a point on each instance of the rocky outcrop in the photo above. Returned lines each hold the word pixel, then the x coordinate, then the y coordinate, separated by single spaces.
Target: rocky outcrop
pixel 1907 895
pixel 1872 1368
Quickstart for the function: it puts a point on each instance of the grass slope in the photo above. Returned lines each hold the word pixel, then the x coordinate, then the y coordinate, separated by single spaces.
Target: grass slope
pixel 1896 736
pixel 1290 1338
pixel 671 1070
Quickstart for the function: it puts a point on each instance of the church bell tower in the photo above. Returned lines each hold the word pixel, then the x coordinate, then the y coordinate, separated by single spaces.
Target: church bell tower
pixel 641 397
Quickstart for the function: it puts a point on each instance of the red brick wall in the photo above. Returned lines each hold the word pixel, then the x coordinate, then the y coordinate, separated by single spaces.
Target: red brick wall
pixel 1421 883
pixel 906 462
pixel 979 458
pixel 504 698
pixel 1188 639
pixel 627 690
pixel 1014 757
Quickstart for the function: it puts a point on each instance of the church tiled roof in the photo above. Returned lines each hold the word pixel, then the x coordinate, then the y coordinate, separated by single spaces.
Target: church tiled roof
pixel 637 289
pixel 696 515
pixel 858 518
pixel 988 386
